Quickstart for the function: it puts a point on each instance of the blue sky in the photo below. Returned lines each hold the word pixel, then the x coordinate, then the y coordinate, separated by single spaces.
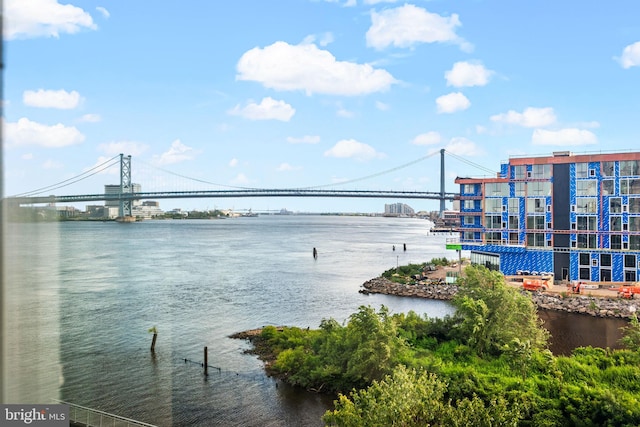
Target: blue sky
pixel 302 93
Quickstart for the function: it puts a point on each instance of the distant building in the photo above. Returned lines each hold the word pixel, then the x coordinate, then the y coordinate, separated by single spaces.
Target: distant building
pixel 147 210
pixel 398 209
pixel 577 216
pixel 115 190
pixel 102 212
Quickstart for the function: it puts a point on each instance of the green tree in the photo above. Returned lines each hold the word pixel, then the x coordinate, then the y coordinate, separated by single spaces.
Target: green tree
pixel 492 314
pixel 409 398
pixel 631 334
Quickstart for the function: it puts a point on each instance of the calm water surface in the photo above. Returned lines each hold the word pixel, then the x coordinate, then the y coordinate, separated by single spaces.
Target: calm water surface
pixel 82 297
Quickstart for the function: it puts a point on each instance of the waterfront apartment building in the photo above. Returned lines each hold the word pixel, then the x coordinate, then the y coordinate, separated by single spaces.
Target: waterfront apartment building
pixel 398 209
pixel 576 216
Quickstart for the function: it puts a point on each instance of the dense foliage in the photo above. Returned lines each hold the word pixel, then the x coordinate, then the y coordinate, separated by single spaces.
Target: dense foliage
pixel 487 365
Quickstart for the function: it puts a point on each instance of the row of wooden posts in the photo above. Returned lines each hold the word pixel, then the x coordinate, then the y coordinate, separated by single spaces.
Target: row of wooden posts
pixel 206 352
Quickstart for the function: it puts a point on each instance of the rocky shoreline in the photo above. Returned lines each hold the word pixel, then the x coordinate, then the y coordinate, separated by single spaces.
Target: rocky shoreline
pixel 578 304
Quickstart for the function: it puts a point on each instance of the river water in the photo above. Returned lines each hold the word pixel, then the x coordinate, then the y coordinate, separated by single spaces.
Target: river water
pixel 81 297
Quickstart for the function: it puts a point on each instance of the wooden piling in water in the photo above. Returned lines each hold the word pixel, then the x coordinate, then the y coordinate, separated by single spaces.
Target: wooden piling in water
pixel 153 342
pixel 206 361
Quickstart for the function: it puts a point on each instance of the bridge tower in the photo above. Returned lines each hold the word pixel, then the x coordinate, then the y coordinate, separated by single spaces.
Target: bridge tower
pixel 442 200
pixel 125 186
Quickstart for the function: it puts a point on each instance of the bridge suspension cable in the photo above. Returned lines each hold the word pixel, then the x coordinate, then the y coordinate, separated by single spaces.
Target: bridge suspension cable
pixel 470 163
pixel 93 171
pixel 351 181
pixel 191 178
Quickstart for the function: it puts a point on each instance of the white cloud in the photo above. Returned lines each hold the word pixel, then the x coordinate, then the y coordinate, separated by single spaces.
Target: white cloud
pixel 379 1
pixel 26 132
pixel 304 67
pixel 350 148
pixel 240 179
pixel 233 162
pixel 268 109
pixel 103 11
pixel 630 56
pixel 60 99
pixel 307 139
pixel 43 18
pixel 408 25
pixel 463 147
pixel 91 118
pixel 286 167
pixel 467 74
pixel 343 112
pixel 429 138
pixel 324 39
pixel 123 147
pixel 531 117
pixel 569 136
pixel 178 152
pixel 450 103
pixel 382 106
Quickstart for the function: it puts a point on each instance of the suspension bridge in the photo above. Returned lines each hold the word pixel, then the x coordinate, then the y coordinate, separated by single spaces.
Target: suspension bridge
pixel 125 194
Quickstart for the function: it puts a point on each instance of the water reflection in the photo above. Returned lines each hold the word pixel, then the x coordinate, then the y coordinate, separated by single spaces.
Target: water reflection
pixel 569 331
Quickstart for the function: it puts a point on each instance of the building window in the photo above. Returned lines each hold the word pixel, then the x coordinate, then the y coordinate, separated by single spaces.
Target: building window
pixel 584 258
pixel 535 205
pixel 629 168
pixel 585 274
pixel 630 186
pixel 514 223
pixel 541 171
pixel 468 220
pixel 629 275
pixel 586 223
pixel 493 221
pixel 582 170
pixel 605 260
pixel 587 187
pixel 520 172
pixel 608 187
pixel 493 205
pixel 469 188
pixel 605 275
pixel 586 241
pixel 469 205
pixel 634 223
pixel 615 223
pixel 496 189
pixel 468 236
pixel 535 239
pixel 514 205
pixel 630 261
pixel 535 222
pixel 615 241
pixel 615 205
pixel 520 189
pixel 634 205
pixel 493 238
pixel 608 168
pixel 634 242
pixel 586 205
pixel 539 188
pixel 513 239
